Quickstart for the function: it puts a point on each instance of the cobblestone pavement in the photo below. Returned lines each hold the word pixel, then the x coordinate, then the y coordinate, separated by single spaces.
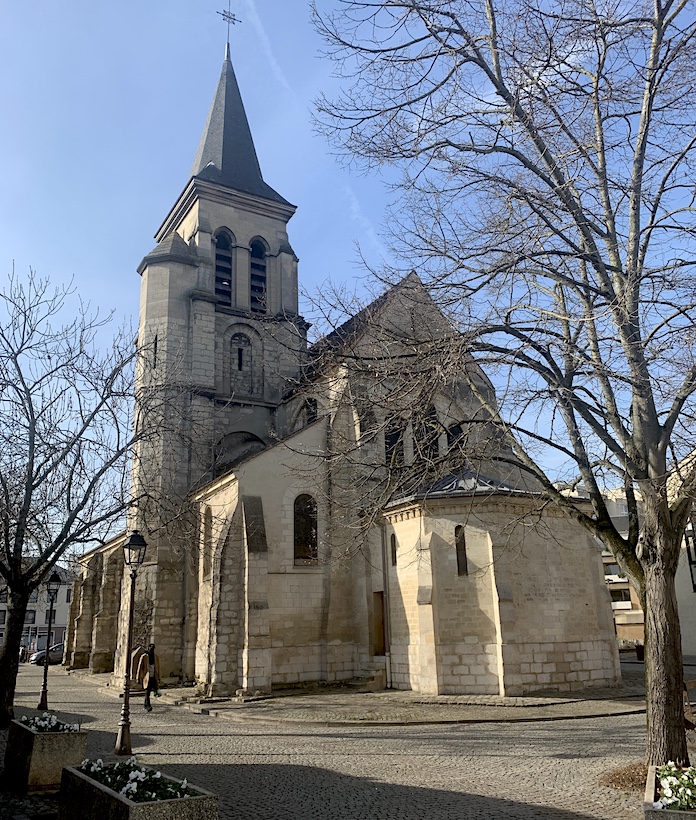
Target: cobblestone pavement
pixel 279 770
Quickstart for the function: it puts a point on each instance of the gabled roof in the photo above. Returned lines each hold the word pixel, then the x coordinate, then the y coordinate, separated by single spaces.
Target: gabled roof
pixel 226 153
pixel 351 330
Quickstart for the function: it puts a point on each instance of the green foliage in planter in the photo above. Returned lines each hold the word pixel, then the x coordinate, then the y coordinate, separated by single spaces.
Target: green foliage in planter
pixel 677 787
pixel 136 782
pixel 48 723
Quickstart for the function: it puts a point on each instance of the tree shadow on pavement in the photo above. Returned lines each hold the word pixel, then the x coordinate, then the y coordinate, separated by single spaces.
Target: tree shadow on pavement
pixel 291 792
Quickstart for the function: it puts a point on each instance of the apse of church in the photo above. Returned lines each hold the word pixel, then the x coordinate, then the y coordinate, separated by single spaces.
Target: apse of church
pixel 260 571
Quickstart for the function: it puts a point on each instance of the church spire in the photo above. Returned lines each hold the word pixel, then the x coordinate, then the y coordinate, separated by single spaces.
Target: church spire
pixel 226 152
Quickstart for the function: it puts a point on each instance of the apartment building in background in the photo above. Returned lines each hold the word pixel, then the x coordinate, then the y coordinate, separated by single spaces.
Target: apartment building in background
pixel 36 617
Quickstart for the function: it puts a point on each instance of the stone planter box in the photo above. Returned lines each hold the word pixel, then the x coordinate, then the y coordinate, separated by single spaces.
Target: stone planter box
pixel 34 760
pixel 82 797
pixel 651 796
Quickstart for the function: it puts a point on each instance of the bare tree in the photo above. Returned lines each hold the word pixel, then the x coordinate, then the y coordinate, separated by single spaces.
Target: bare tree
pixel 548 158
pixel 67 432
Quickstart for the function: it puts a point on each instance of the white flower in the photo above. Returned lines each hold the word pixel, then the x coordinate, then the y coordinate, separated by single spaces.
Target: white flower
pixel 658 805
pixel 184 783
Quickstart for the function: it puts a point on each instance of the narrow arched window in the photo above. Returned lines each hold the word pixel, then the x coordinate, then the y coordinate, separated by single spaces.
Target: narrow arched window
pixel 311 410
pixel 393 550
pixel 305 530
pixel 223 269
pixel 241 353
pixel 258 277
pixel 207 541
pixel 454 436
pixel 394 442
pixel 426 432
pixel 460 546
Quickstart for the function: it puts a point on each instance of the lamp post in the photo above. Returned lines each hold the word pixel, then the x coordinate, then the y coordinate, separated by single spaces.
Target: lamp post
pixel 52 587
pixel 134 555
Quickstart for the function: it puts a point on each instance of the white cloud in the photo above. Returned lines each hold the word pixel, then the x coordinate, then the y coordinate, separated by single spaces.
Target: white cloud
pixel 360 218
pixel 250 15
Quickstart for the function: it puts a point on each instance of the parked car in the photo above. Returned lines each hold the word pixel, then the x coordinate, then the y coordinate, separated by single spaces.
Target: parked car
pixel 55 655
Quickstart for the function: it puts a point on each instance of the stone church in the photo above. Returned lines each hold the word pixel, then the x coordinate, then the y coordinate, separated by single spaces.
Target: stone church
pixel 330 511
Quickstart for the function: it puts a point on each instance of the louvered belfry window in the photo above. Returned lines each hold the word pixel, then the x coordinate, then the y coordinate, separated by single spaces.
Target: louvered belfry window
pixel 223 269
pixel 258 277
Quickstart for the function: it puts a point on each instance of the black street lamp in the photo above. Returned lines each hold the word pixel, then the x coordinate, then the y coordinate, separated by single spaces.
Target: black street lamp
pixel 52 587
pixel 134 554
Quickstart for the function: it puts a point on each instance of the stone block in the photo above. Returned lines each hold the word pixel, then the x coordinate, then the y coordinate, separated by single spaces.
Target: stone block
pixel 34 760
pixel 82 797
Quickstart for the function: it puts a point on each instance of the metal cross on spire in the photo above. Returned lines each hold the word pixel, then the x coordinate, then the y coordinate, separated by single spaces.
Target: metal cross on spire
pixel 229 17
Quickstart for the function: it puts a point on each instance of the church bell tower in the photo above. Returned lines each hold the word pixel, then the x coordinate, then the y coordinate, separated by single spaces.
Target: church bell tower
pixel 223 341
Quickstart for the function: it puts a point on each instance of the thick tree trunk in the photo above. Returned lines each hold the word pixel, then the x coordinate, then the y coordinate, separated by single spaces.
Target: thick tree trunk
pixel 9 654
pixel 663 669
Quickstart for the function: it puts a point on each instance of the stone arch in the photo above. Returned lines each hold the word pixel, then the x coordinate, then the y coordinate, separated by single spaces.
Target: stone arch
pixel 233 448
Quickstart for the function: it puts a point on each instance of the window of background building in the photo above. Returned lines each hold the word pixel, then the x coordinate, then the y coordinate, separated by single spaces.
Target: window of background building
pixel 393 550
pixel 68 595
pixel 3 615
pixel 612 569
pixel 691 551
pixel 620 594
pixel 3 596
pixel 30 616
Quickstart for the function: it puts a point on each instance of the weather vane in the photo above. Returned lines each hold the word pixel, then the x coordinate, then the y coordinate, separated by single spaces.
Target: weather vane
pixel 229 18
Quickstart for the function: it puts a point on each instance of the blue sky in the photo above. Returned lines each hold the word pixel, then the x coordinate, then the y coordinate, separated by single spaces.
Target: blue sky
pixel 103 105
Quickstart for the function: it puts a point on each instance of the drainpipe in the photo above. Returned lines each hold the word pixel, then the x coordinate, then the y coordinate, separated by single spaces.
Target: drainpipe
pixel 387 607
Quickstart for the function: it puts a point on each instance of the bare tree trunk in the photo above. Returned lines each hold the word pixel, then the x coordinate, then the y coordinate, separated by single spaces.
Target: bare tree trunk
pixel 9 654
pixel 663 670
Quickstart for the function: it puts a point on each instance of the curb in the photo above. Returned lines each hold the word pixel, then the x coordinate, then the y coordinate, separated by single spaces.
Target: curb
pixel 241 718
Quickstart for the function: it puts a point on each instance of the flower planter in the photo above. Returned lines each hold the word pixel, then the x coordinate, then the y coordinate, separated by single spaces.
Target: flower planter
pixel 34 760
pixel 82 797
pixel 651 794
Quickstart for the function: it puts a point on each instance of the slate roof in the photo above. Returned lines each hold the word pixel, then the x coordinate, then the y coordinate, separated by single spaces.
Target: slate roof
pixel 171 249
pixel 226 153
pixel 351 329
pixel 463 482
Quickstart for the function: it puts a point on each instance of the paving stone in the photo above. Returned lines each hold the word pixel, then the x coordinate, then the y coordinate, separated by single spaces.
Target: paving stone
pixel 275 769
